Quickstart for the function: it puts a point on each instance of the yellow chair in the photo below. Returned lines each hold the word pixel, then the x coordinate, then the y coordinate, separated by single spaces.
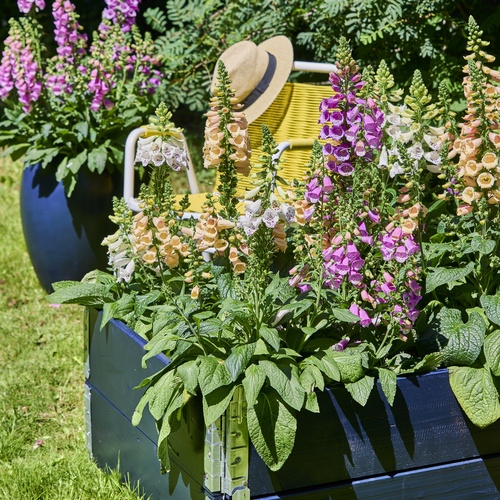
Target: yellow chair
pixel 292 119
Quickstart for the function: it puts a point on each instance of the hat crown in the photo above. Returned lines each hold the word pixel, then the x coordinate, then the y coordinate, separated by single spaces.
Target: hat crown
pixel 257 72
pixel 246 64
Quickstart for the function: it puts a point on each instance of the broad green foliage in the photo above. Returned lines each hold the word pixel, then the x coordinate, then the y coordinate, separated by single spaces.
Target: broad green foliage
pixel 405 33
pixel 476 392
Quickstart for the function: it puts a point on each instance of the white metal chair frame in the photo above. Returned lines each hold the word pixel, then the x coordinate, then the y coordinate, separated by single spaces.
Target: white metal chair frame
pixel 128 181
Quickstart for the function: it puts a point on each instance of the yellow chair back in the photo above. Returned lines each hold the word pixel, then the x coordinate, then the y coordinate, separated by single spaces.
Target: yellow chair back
pixel 293 117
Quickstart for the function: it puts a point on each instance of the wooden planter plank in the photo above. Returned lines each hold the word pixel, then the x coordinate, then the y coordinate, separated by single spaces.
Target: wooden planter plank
pixel 425 427
pixel 458 481
pixel 117 444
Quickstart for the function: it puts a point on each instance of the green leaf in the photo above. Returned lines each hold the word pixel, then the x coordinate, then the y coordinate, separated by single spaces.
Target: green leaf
pixel 215 403
pixel 82 128
pixel 74 164
pixel 464 340
pixel 311 377
pixel 475 390
pixel 327 364
pixel 482 245
pixel 388 381
pixel 430 362
pixel 433 250
pixel 284 378
pixel 491 306
pixel 213 374
pixel 84 294
pixel 492 352
pixel 162 449
pixel 97 276
pixel 141 302
pixel 203 315
pixel 255 376
pixel 188 373
pixel 225 286
pixel 137 415
pixel 117 310
pixel 239 358
pixel 349 362
pixel 165 393
pixel 15 151
pixel 97 159
pixel 312 402
pixel 361 389
pixel 35 155
pixel 272 428
pixel 440 276
pixel 163 342
pixel 271 336
pixel 345 315
pixel 164 432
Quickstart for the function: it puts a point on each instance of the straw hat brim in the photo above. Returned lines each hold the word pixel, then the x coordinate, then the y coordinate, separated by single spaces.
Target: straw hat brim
pixel 281 48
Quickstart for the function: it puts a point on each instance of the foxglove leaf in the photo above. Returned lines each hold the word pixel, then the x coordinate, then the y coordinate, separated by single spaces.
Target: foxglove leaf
pixel 255 376
pixel 491 306
pixel 475 390
pixel 272 427
pixel 388 381
pixel 440 275
pixel 465 340
pixel 492 352
pixel 361 389
pixel 239 358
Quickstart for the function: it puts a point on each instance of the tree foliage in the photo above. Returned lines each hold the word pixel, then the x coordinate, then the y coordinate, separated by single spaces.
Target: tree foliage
pixel 408 34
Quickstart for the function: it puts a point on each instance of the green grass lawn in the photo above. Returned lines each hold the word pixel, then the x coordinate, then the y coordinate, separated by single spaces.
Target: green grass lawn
pixel 42 420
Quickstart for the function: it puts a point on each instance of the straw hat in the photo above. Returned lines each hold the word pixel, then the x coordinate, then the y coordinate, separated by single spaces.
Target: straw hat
pixel 257 72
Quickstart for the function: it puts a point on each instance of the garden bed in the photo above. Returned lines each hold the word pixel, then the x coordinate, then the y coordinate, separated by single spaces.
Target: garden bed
pixel 422 447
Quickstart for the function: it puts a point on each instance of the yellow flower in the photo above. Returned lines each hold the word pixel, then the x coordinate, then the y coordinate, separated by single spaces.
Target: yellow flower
pixel 184 250
pixel 485 180
pixel 409 226
pixel 150 256
pixel 176 242
pixel 464 209
pixel 224 224
pixel 414 211
pixel 280 244
pixel 239 267
pixel 468 195
pixel 472 168
pixel 195 292
pixel 172 260
pixel 489 161
pixel 470 181
pixel 233 255
pixel 221 245
pixel 494 197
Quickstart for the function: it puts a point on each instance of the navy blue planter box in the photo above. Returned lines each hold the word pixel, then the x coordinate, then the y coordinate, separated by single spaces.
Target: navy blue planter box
pixel 423 447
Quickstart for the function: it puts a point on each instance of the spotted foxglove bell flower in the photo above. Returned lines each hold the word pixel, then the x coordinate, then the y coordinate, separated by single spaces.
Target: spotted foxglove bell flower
pixel 157 151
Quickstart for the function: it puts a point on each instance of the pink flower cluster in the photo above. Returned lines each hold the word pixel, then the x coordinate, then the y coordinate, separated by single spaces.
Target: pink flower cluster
pixel 66 29
pixel 354 129
pixel 99 87
pixel 19 69
pixel 24 6
pixel 74 67
pixel 124 11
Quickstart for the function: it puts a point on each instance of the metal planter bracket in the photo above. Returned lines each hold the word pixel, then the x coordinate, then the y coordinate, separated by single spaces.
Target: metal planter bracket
pixel 227 453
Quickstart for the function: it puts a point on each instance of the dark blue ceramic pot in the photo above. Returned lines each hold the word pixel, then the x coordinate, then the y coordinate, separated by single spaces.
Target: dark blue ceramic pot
pixel 63 235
